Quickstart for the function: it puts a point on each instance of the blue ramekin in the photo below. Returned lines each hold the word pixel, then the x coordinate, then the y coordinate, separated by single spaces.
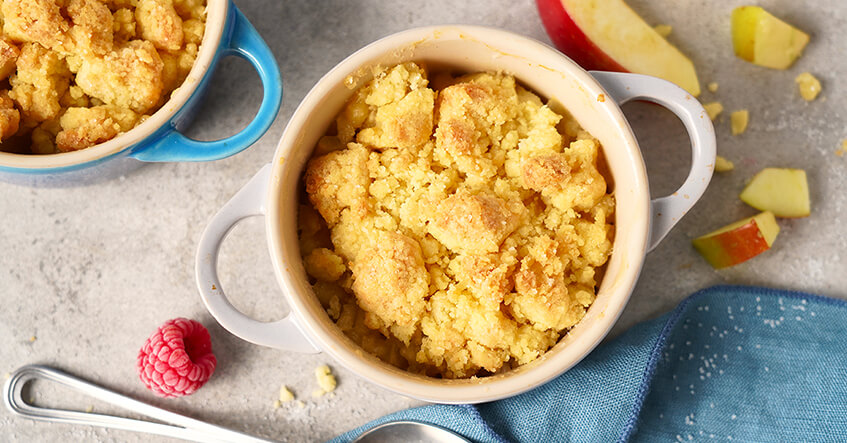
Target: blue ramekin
pixel 159 138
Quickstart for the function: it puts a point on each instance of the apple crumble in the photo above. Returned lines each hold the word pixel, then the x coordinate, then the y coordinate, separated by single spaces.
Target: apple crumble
pixel 454 227
pixel 75 73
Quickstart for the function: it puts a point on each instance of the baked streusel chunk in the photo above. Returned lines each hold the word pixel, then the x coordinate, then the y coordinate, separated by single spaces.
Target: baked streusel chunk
pixel 80 72
pixel 455 229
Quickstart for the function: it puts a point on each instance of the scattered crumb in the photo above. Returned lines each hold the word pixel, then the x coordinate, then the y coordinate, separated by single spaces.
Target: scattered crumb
pixel 325 379
pixel 285 394
pixel 663 30
pixel 713 87
pixel 723 165
pixel 8 375
pixel 843 150
pixel 89 409
pixel 739 120
pixel 277 404
pixel 809 86
pixel 713 109
pixel 32 339
pixel 300 404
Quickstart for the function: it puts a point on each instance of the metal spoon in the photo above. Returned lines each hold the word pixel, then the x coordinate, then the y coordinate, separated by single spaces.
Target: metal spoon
pixel 408 432
pixel 179 426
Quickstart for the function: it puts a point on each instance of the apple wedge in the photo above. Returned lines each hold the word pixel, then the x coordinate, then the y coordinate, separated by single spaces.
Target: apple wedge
pixel 783 191
pixel 764 40
pixel 739 241
pixel 608 35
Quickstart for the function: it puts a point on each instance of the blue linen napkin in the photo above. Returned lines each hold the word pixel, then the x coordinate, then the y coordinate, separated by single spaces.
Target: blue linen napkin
pixel 730 363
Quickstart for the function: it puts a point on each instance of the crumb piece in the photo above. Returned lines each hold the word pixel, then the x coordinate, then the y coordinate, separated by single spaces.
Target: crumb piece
pixel 159 23
pixel 7 376
pixel 713 87
pixel 808 85
pixel 713 109
pixel 92 27
pixel 10 117
pixel 405 123
pixel 38 21
pixel 89 409
pixel 123 25
pixel 300 404
pixel 843 149
pixel 663 30
pixel 44 139
pixel 475 224
pixel 188 9
pixel 192 31
pixel 739 120
pixel 723 165
pixel 32 339
pixel 40 81
pixel 326 381
pixel 8 57
pixel 129 77
pixel 338 181
pixel 175 68
pixel 285 395
pixel 391 280
pixel 84 127
pixel 324 264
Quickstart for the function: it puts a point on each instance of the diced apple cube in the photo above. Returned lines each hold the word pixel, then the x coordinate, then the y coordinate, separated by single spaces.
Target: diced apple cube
pixel 783 191
pixel 765 40
pixel 713 109
pixel 723 165
pixel 808 85
pixel 738 121
pixel 663 30
pixel 739 241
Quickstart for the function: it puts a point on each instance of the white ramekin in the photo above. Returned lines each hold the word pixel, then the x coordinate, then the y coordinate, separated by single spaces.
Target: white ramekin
pixel 593 98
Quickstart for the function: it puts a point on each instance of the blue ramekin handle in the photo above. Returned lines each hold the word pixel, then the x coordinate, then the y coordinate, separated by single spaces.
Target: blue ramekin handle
pixel 246 43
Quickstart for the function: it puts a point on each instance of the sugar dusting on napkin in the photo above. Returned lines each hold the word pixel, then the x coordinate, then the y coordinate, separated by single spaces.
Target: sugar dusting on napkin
pixel 729 363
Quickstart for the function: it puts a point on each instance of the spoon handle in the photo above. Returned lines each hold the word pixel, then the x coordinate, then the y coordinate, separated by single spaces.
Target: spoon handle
pixel 179 426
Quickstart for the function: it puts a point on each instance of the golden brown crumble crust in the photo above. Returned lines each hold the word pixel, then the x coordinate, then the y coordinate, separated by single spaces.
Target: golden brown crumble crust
pixel 455 231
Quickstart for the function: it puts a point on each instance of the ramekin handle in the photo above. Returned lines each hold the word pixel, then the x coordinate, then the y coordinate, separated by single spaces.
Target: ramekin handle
pixel 248 202
pixel 244 42
pixel 667 211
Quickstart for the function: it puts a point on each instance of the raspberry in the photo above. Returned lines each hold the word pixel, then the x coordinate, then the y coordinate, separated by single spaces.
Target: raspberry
pixel 177 359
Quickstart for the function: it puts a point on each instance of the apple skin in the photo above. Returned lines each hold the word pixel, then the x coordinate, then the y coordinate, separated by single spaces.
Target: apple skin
pixel 613 37
pixel 570 39
pixel 738 242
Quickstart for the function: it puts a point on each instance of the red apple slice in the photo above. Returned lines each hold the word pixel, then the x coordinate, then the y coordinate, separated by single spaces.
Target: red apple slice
pixel 739 241
pixel 608 35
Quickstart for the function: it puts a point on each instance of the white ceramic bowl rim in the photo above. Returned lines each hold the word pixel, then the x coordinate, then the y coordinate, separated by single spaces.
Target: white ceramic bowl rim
pixel 321 330
pixel 216 15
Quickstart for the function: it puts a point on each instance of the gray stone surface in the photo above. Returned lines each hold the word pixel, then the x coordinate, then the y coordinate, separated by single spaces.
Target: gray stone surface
pixel 89 272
